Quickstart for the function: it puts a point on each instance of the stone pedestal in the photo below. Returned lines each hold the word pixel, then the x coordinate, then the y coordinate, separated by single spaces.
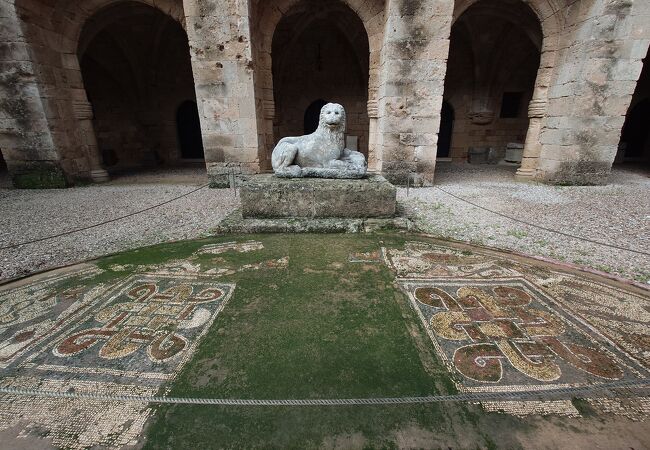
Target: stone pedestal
pixel 269 197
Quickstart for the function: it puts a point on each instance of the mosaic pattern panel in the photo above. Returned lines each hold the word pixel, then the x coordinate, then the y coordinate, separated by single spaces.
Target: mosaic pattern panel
pixel 34 314
pixel 506 332
pixel 146 326
pixel 127 338
pixel 425 260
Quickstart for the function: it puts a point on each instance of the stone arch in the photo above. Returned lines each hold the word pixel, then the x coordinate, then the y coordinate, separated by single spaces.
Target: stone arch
pixel 494 60
pixel 125 50
pixel 53 30
pixel 552 22
pixel 80 14
pixel 547 11
pixel 266 15
pixel 312 115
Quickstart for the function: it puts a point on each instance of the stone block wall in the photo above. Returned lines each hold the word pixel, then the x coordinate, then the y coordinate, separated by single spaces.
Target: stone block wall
pixel 222 62
pixel 599 61
pixel 26 140
pixel 413 66
pixel 590 58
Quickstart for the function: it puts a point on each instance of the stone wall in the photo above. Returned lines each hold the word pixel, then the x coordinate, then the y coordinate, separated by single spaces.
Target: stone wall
pixel 590 57
pixel 25 137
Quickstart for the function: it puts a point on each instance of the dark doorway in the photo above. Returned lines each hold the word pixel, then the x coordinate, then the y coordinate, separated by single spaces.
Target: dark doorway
pixel 3 164
pixel 126 51
pixel 635 132
pixel 494 57
pixel 446 130
pixel 312 115
pixel 189 131
pixel 634 146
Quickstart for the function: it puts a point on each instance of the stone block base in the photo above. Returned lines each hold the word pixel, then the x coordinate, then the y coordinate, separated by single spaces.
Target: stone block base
pixel 236 224
pixel 269 197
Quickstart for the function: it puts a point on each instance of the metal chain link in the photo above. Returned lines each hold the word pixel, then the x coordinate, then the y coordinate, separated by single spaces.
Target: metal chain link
pixel 634 388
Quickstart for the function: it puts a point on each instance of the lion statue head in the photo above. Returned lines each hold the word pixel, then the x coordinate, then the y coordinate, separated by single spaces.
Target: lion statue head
pixel 332 117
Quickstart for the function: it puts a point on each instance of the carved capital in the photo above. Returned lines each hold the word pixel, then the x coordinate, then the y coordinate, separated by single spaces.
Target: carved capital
pixel 82 110
pixel 373 109
pixel 536 109
pixel 269 109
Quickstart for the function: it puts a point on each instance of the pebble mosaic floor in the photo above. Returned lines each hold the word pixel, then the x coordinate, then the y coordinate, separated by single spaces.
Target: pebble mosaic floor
pixel 498 323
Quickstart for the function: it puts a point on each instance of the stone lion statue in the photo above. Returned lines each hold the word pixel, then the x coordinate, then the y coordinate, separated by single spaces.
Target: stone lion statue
pixel 322 153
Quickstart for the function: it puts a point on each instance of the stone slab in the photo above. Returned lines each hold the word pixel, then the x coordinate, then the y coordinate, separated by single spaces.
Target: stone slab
pixel 270 197
pixel 234 223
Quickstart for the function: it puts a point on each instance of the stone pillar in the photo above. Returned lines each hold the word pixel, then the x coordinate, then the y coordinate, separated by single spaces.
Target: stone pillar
pixel 220 45
pixel 413 67
pixel 83 112
pixel 532 148
pixel 269 117
pixel 25 135
pixel 373 156
pixel 599 61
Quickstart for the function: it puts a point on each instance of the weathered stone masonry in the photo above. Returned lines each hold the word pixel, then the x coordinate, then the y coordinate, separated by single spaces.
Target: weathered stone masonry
pixel 25 139
pixel 590 58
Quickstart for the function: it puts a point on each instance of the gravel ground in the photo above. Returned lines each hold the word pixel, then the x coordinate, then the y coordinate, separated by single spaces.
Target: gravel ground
pixel 28 215
pixel 617 214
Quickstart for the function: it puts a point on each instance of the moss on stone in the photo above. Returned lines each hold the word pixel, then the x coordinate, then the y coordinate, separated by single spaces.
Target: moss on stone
pixel 42 177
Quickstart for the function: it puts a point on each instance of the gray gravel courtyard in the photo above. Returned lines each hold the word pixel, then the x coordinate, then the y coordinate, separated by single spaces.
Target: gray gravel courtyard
pixel 28 215
pixel 617 214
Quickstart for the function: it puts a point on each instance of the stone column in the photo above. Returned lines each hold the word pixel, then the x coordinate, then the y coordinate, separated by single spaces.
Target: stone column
pixel 269 117
pixel 373 157
pixel 532 147
pixel 413 67
pixel 599 60
pixel 220 46
pixel 83 112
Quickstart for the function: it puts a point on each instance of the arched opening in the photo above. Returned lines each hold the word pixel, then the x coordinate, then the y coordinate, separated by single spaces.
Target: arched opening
pixel 188 127
pixel 320 50
pixel 312 116
pixel 494 58
pixel 446 129
pixel 136 68
pixel 634 147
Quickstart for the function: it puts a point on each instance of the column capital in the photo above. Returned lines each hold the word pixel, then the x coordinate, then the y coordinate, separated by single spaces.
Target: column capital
pixel 537 108
pixel 373 109
pixel 269 109
pixel 82 110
